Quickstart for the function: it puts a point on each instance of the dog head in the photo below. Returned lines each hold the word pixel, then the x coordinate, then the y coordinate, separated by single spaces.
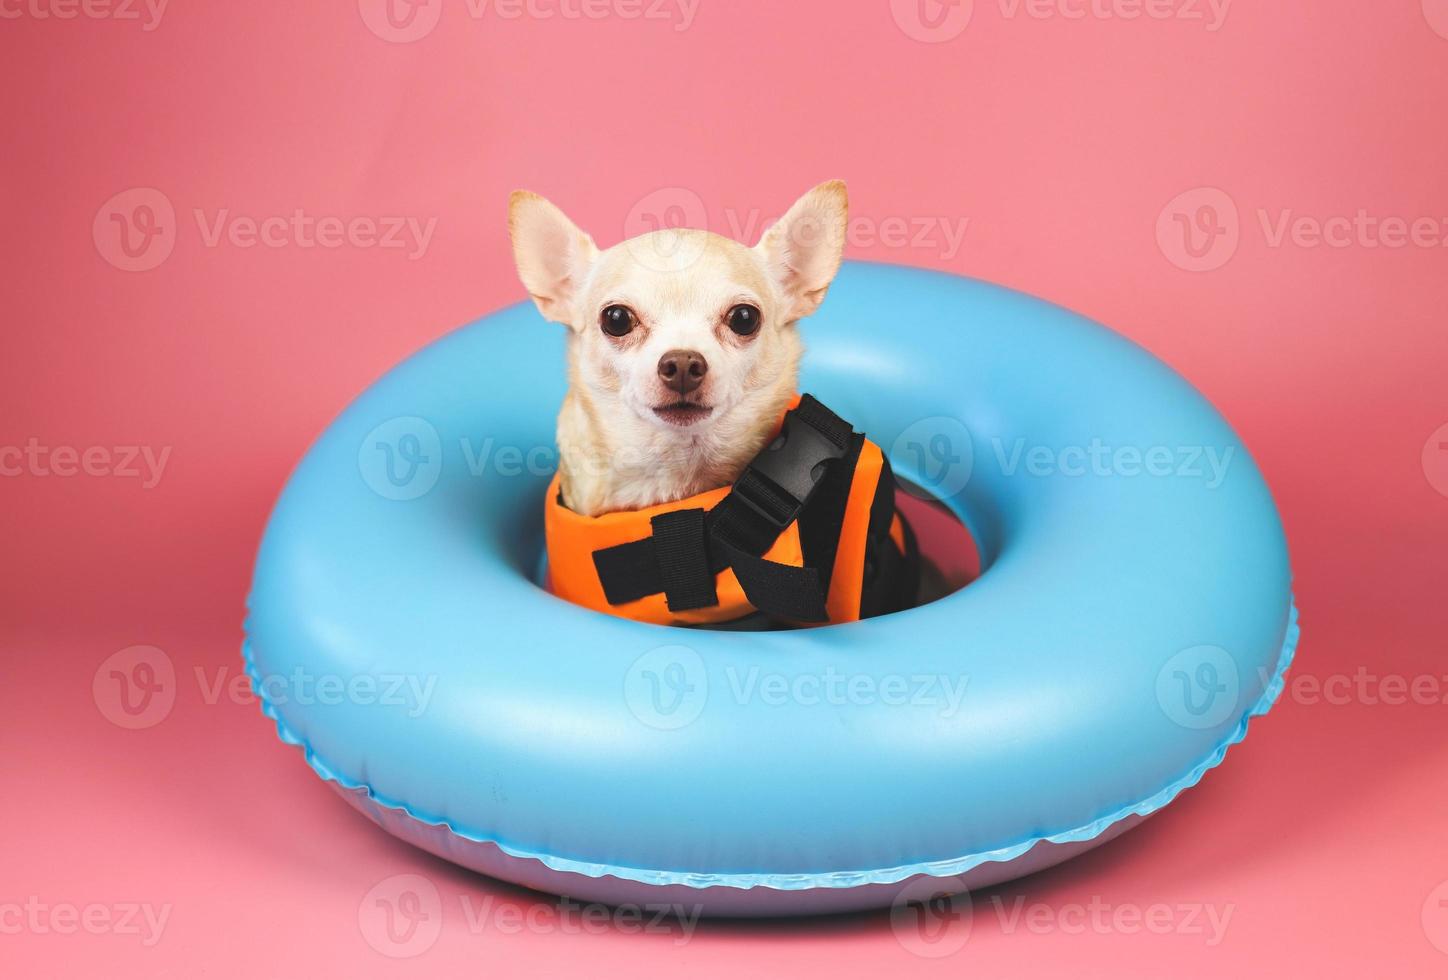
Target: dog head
pixel 682 331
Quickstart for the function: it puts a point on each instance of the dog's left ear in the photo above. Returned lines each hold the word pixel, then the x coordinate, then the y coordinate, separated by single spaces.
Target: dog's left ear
pixel 803 249
pixel 552 253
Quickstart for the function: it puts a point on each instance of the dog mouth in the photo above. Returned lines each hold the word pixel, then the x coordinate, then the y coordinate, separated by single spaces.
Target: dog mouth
pixel 682 413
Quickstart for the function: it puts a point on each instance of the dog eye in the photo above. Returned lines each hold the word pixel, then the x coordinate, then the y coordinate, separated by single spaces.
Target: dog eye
pixel 744 319
pixel 616 321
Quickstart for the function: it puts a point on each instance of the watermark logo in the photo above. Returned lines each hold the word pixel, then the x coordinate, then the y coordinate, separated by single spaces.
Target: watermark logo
pixel 401 459
pixel 135 688
pixel 932 21
pixel 138 688
pixel 667 687
pixel 1435 918
pixel 931 917
pixel 1436 12
pixel 400 21
pixel 1199 229
pixel 135 230
pixel 1435 460
pixel 667 209
pixel 401 916
pixel 1198 688
pixel 938 456
pixel 672 208
pixel 664 209
pixel 927 234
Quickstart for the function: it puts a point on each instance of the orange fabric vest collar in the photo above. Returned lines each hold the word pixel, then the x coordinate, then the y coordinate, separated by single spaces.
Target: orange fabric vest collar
pixel 573 541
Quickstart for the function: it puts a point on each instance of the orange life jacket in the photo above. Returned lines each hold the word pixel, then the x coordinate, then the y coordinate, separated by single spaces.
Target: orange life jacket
pixel 808 534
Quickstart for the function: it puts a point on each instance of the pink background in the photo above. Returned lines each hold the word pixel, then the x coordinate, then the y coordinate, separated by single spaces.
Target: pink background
pixel 1068 144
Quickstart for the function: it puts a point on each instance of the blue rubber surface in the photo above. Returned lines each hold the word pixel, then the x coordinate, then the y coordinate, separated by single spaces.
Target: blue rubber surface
pixel 1134 613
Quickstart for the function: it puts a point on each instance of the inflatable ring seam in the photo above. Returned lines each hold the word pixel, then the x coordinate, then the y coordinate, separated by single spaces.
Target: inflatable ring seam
pixel 831 879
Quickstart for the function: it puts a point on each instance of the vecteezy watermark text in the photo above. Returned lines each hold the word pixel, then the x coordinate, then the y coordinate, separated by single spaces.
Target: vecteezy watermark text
pixel 403 458
pixel 668 688
pixel 302 230
pixel 934 234
pixel 40 918
pixel 406 21
pixel 402 917
pixel 137 230
pixel 1366 687
pixel 934 918
pixel 938 21
pixel 411 692
pixel 835 688
pixel 137 688
pixel 1098 459
pixel 1200 229
pixel 669 208
pixel 1212 13
pixel 568 917
pixel 146 464
pixel 147 12
pixel 1101 917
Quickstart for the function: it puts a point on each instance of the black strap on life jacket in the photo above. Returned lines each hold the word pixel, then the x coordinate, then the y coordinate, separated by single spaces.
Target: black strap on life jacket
pixel 804 475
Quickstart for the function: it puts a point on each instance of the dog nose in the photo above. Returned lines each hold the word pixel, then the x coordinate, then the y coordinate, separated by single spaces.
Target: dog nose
pixel 683 370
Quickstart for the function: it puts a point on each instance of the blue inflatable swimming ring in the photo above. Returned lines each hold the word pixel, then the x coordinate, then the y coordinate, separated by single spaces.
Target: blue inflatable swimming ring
pixel 1133 614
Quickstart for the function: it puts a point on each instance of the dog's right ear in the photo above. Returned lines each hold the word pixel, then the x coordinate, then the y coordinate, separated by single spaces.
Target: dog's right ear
pixel 552 254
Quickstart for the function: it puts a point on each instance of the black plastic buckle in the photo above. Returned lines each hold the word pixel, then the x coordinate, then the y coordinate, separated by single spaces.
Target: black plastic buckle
pixel 794 464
